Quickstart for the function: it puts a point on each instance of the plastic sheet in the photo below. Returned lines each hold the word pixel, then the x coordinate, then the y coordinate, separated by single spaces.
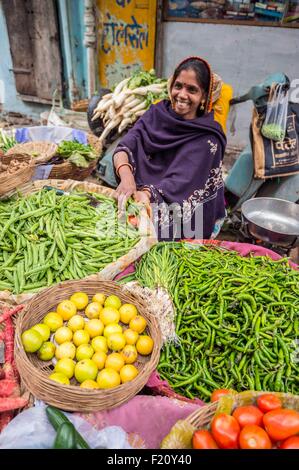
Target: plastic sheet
pixel 32 430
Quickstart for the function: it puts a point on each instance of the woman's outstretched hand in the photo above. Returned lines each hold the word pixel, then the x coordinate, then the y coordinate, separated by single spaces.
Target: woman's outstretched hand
pixel 125 189
pixel 144 198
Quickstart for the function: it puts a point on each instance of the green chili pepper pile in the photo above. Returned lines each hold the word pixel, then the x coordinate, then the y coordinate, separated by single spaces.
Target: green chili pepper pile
pixel 236 319
pixel 46 238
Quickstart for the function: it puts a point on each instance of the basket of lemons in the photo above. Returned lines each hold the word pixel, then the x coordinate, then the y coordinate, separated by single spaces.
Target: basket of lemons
pixel 86 345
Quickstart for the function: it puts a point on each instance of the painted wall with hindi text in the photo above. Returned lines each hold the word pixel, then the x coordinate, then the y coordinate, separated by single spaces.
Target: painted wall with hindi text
pixel 126 38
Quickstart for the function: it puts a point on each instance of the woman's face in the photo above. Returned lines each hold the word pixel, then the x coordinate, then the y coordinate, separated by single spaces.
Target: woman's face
pixel 186 94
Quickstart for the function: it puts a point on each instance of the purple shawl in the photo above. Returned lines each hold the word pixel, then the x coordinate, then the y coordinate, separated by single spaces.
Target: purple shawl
pixel 180 162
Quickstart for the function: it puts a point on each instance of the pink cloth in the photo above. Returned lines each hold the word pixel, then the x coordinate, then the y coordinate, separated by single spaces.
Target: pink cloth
pixel 146 419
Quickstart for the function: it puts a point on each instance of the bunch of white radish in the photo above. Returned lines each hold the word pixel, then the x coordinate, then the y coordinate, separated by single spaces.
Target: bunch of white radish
pixel 129 100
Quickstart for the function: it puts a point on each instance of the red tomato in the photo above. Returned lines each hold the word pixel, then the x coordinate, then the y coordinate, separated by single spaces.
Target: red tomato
pixel 281 423
pixel 290 443
pixel 268 402
pixel 203 440
pixel 225 430
pixel 219 393
pixel 246 415
pixel 254 437
pixel 133 220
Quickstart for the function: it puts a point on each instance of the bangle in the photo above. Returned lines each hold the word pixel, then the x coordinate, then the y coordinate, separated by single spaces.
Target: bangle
pixel 123 164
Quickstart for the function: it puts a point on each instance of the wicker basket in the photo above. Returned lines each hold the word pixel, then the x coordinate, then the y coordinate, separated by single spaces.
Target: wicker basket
pixel 40 151
pixel 10 182
pixel 201 418
pixel 67 170
pixel 34 373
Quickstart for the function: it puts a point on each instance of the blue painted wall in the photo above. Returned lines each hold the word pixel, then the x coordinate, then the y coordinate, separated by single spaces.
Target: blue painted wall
pixel 71 21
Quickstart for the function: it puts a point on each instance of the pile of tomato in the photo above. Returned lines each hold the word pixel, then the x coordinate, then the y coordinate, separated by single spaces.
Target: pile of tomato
pixel 266 425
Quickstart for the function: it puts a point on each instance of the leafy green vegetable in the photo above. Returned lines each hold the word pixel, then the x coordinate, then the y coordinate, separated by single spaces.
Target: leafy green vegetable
pixel 77 153
pixel 142 78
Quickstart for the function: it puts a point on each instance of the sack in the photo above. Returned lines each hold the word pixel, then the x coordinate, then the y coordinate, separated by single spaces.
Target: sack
pixel 276 158
pixel 105 168
pixel 274 126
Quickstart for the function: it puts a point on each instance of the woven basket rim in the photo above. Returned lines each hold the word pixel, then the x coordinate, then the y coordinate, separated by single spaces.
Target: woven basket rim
pixel 48 149
pixel 10 182
pixel 81 399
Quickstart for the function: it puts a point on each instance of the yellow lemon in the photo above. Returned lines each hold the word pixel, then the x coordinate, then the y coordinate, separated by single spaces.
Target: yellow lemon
pixel 99 343
pixel 89 384
pixel 94 327
pixel 93 310
pixel 60 378
pixel 46 351
pixel 129 354
pixel 65 350
pixel 138 324
pixel 113 301
pixel 108 378
pixel 114 361
pixel 144 345
pixel 84 351
pixel 109 315
pixel 81 337
pixel 131 336
pixel 67 309
pixel 99 297
pixel 76 323
pixel 116 341
pixel 43 330
pixel 99 358
pixel 112 328
pixel 32 340
pixel 127 373
pixel 63 334
pixel 65 366
pixel 53 320
pixel 80 299
pixel 85 370
pixel 127 312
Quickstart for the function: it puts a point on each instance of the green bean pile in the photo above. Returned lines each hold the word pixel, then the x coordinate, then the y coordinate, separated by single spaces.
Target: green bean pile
pixel 237 323
pixel 46 238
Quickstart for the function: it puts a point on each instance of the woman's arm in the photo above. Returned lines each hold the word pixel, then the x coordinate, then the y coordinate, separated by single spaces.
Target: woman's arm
pixel 127 186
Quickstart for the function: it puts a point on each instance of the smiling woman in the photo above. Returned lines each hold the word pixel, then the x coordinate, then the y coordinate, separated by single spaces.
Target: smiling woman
pixel 173 156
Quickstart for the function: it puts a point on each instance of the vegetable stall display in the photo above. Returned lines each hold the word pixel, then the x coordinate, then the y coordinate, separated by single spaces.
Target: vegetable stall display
pixel 236 319
pixel 46 238
pixel 129 100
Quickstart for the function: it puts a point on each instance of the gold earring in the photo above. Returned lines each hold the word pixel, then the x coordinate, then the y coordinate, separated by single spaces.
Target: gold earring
pixel 202 106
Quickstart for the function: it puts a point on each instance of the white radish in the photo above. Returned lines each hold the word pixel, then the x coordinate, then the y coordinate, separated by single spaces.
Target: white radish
pixel 120 87
pixel 120 99
pixel 112 124
pixel 133 103
pixel 107 96
pixel 103 105
pixel 154 88
pixel 111 112
pixel 140 113
pixel 124 123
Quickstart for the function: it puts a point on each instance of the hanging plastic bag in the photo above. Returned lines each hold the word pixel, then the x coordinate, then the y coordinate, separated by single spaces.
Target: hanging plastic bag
pixel 31 429
pixel 274 126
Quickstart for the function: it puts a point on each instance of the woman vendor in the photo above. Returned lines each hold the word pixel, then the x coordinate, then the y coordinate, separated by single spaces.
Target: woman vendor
pixel 173 156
